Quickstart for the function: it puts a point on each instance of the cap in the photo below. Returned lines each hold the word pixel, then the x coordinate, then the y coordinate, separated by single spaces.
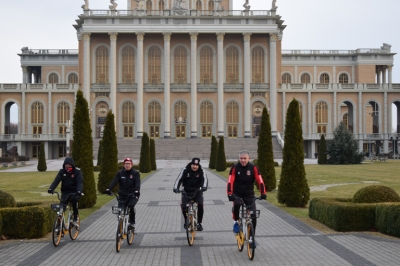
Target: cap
pixel 128 159
pixel 195 161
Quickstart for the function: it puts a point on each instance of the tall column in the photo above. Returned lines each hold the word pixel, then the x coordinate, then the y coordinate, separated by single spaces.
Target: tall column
pixel 220 40
pixel 384 75
pixel 310 114
pixel 193 85
pixel 22 115
pixel 49 124
pixel 86 67
pixel 167 85
pixel 24 75
pixel 247 80
pixel 386 128
pixel 360 114
pixel 390 68
pixel 273 83
pixel 140 109
pixel 378 76
pixel 335 119
pixel 113 73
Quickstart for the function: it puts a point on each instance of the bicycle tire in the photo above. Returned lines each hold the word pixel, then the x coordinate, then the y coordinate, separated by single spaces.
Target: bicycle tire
pixel 74 230
pixel 129 236
pixel 250 241
pixel 118 235
pixel 240 238
pixel 57 231
pixel 190 230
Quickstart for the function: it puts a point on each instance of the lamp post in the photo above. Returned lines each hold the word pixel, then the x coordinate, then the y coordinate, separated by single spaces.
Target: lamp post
pixel 67 131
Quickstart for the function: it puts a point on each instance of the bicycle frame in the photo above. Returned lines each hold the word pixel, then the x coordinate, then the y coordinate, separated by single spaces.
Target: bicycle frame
pixel 191 214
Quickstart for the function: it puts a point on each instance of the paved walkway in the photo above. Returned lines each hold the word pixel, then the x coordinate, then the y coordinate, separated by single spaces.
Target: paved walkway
pixel 161 239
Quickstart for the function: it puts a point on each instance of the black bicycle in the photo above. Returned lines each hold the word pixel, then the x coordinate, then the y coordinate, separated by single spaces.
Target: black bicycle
pixel 191 216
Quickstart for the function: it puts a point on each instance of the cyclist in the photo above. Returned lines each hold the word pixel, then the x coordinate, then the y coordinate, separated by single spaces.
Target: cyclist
pixel 192 177
pixel 241 184
pixel 129 183
pixel 71 179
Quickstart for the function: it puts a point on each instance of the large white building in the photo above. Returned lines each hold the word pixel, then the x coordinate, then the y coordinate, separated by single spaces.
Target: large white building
pixel 193 69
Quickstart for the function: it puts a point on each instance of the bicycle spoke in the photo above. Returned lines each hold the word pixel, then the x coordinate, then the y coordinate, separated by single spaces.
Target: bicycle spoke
pixel 74 229
pixel 119 235
pixel 250 241
pixel 57 231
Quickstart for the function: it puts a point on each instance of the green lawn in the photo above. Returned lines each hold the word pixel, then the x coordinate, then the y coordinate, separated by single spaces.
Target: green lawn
pixel 340 181
pixel 32 186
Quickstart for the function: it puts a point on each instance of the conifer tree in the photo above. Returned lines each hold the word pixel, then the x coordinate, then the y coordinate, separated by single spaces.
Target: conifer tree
pixel 82 150
pixel 322 157
pixel 220 164
pixel 99 154
pixel 144 163
pixel 265 153
pixel 109 155
pixel 213 153
pixel 42 166
pixel 293 190
pixel 153 154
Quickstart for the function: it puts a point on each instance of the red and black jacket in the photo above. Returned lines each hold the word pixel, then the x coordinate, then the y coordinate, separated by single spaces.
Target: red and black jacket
pixel 241 180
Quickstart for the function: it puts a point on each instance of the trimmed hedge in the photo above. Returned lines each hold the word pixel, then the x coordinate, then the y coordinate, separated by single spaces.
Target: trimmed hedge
pixel 6 200
pixel 388 219
pixel 1 225
pixel 375 194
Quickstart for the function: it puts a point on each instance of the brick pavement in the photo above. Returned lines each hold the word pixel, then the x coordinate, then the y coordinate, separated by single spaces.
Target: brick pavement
pixel 161 239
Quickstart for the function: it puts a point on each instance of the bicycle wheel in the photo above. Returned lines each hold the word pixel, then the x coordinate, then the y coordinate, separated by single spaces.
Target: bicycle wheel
pixel 118 235
pixel 57 231
pixel 240 238
pixel 74 229
pixel 250 241
pixel 129 236
pixel 190 230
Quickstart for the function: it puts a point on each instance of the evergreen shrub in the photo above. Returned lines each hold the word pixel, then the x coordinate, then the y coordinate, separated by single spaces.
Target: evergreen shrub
pixel 42 166
pixel 388 219
pixel 375 194
pixel 6 200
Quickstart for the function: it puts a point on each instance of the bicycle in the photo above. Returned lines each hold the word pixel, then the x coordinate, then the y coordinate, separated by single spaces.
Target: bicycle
pixel 246 235
pixel 123 221
pixel 63 225
pixel 191 216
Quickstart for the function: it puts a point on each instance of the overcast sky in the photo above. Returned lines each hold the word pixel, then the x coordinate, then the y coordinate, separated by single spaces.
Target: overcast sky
pixel 311 24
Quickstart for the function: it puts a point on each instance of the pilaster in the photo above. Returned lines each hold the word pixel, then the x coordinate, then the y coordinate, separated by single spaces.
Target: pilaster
pixel 247 80
pixel 193 85
pixel 139 123
pixel 167 85
pixel 273 83
pixel 113 74
pixel 220 110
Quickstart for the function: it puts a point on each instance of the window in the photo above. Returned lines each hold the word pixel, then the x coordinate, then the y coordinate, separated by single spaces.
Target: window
pixel 343 78
pixel 63 112
pixel 305 78
pixel 232 112
pixel 286 78
pixel 198 5
pixel 210 5
pixel 102 65
pixel 149 5
pixel 257 65
pixel 161 5
pixel 321 117
pixel 206 112
pixel 180 65
pixel 232 65
pixel 128 65
pixel 154 66
pixel 180 112
pixel 72 78
pixel 154 112
pixel 324 78
pixel 206 65
pixel 128 112
pixel 37 113
pixel 53 78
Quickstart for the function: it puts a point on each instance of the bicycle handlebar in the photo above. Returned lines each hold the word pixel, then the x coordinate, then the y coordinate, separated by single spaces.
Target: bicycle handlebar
pixel 68 196
pixel 117 196
pixel 194 193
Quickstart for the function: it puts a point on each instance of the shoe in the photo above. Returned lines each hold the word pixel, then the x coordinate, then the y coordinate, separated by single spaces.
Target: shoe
pixel 199 227
pixel 131 227
pixel 236 228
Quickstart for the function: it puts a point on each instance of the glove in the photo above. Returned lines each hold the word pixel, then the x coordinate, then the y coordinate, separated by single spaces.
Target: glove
pixel 176 190
pixel 50 191
pixel 231 197
pixel 203 189
pixel 137 194
pixel 109 192
pixel 264 196
pixel 78 193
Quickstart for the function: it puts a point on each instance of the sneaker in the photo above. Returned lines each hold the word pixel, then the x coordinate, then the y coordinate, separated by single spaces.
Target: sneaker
pixel 236 228
pixel 184 225
pixel 199 227
pixel 131 227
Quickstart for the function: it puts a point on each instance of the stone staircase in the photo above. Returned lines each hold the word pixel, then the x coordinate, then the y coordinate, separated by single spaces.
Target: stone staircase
pixel 185 149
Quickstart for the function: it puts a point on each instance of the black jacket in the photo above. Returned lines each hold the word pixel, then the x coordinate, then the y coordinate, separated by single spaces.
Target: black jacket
pixel 70 182
pixel 129 182
pixel 191 180
pixel 241 180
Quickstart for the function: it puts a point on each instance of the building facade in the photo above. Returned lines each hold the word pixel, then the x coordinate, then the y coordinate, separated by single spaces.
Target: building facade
pixel 193 69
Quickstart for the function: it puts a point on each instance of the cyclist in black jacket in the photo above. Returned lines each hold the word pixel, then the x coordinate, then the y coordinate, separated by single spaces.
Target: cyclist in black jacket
pixel 193 177
pixel 71 179
pixel 129 183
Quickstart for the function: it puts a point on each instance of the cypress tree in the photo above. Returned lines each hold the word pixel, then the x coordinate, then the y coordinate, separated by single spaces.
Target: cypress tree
pixel 42 166
pixel 220 164
pixel 293 190
pixel 82 150
pixel 99 154
pixel 213 153
pixel 322 158
pixel 144 163
pixel 265 153
pixel 110 155
pixel 153 154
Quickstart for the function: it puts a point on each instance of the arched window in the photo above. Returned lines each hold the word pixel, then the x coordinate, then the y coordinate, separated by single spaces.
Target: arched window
pixel 232 112
pixel 180 112
pixel 198 5
pixel 206 65
pixel 180 65
pixel 63 112
pixel 324 78
pixel 149 5
pixel 53 78
pixel 286 78
pixel 37 113
pixel 154 112
pixel 154 66
pixel 161 5
pixel 128 112
pixel 346 120
pixel 210 5
pixel 343 78
pixel 232 65
pixel 128 65
pixel 206 112
pixel 72 78
pixel 305 78
pixel 102 65
pixel 257 56
pixel 321 116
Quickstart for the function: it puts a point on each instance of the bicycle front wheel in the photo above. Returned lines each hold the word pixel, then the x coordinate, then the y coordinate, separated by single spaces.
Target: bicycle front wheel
pixel 130 235
pixel 250 241
pixel 190 230
pixel 240 238
pixel 74 229
pixel 118 235
pixel 57 231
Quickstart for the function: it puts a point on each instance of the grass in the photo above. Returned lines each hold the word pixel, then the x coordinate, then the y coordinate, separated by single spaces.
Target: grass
pixel 339 181
pixel 32 186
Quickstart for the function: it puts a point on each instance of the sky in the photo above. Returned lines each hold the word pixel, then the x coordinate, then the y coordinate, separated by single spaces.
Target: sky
pixel 311 25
